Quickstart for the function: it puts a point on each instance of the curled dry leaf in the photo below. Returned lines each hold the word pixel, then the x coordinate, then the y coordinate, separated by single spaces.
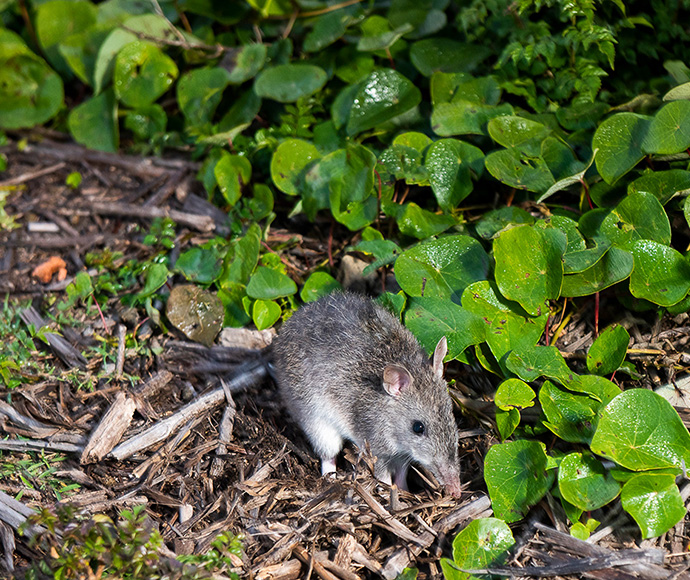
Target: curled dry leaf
pixel 45 271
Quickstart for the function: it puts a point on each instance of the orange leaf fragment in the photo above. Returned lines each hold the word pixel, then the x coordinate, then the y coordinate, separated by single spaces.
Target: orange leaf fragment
pixel 44 272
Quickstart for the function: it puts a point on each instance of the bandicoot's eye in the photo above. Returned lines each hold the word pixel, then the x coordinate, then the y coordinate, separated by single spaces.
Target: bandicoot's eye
pixel 418 427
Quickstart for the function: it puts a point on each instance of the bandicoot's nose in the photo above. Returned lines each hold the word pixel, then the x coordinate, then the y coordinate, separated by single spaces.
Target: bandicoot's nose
pixel 449 477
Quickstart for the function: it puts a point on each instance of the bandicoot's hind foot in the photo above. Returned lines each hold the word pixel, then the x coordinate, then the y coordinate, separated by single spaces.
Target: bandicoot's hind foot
pixel 327 465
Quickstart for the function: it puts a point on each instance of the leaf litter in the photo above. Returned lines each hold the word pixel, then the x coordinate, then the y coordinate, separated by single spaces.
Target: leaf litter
pixel 164 431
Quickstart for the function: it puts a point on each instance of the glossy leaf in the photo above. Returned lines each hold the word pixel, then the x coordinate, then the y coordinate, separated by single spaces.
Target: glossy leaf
pixel 289 162
pixel 516 477
pixel 641 430
pixel 318 284
pixel 619 141
pixel 94 122
pixel 640 216
pixel 516 170
pixel 286 83
pixel 660 274
pixel 615 266
pixel 269 284
pixel 142 74
pixel 200 265
pixel 441 268
pixel 483 543
pixel 245 63
pixel 450 164
pixel 430 319
pixel 232 173
pixel 669 131
pixel 265 313
pixel 664 185
pixel 570 416
pixel 384 94
pixel 445 55
pixel 585 483
pixel 199 92
pixel 655 503
pixel 529 265
pixel 608 351
pixel 507 326
pixel 519 133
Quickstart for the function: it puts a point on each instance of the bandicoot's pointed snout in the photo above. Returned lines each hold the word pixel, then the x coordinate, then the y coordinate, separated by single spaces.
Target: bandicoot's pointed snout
pixel 449 477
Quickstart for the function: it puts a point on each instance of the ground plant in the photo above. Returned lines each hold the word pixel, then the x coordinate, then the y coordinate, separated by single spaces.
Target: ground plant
pixel 507 161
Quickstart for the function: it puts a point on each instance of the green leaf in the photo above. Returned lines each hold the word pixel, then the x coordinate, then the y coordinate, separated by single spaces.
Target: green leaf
pixel 570 416
pixel 153 26
pixel 420 223
pixel 660 274
pixel 265 313
pixel 519 133
pixel 384 94
pixel 608 351
pixel 30 92
pixel 289 162
pixel 507 422
pixel 507 326
pixel 615 266
pixel 534 361
pixel 654 501
pixel 200 265
pixel 286 83
pixel 445 55
pixel 199 92
pixel 514 394
pixel 318 284
pixel 231 295
pixel 80 50
pixel 483 543
pixel 462 117
pixel 377 34
pixel 492 222
pixel 639 216
pixel 441 268
pixel 241 259
pixel 619 141
pixel 59 19
pixel 326 30
pixel 269 284
pixel 94 123
pixel 511 396
pixel 529 265
pixel 669 131
pixel 584 258
pixel 261 204
pixel 156 276
pixel 450 164
pixel 585 483
pixel 516 170
pixel 244 63
pixel 664 185
pixel 516 477
pixel 232 173
pixel 430 319
pixel 142 74
pixel 146 122
pixel 640 430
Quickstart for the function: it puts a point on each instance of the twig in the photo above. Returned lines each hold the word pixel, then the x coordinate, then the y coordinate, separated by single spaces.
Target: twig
pixel 30 175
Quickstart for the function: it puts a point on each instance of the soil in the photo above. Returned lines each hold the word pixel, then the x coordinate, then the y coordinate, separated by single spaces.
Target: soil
pixel 241 465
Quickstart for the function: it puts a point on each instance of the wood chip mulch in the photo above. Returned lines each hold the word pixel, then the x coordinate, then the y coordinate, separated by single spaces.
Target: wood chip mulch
pixel 205 455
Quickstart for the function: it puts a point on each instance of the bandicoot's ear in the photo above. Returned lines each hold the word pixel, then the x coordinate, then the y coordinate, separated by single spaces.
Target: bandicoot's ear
pixel 439 355
pixel 396 379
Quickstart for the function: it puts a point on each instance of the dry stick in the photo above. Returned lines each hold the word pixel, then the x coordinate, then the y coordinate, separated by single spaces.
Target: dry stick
pixel 110 429
pixel 24 445
pixel 202 223
pixel 120 366
pixel 313 563
pixel 29 175
pixel 161 430
pixel 14 514
pixel 395 525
